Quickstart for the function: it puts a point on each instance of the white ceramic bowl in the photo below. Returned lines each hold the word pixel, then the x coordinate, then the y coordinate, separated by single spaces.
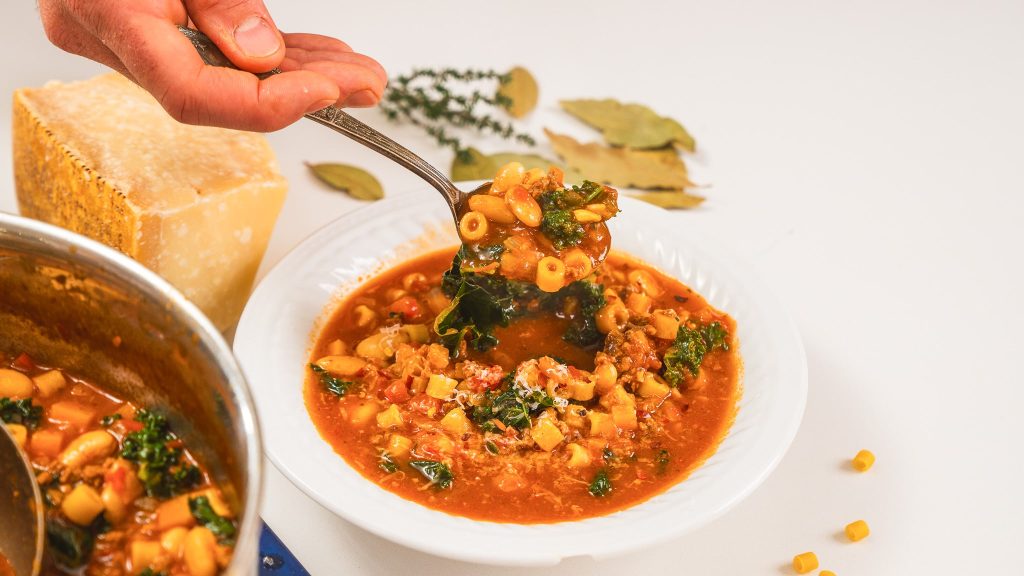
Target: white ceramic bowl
pixel 281 321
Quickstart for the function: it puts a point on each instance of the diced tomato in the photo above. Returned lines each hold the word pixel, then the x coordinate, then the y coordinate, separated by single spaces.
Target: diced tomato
pixel 24 362
pixel 408 307
pixel 131 425
pixel 397 391
pixel 116 477
pixel 426 405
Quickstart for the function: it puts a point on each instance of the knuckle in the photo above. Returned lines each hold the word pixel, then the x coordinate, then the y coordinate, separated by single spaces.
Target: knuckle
pixel 55 25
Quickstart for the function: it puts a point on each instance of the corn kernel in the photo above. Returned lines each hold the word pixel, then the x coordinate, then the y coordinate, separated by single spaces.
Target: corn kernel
pixel 440 386
pixel 804 563
pixel 857 531
pixel 863 461
pixel 826 573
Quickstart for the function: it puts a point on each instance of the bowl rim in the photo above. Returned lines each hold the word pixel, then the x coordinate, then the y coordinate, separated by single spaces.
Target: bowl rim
pixel 207 335
pixel 434 547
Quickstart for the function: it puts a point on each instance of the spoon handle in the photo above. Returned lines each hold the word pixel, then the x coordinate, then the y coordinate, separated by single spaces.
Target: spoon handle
pixel 339 121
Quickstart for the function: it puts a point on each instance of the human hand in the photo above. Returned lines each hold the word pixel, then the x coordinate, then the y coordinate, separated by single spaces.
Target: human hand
pixel 141 40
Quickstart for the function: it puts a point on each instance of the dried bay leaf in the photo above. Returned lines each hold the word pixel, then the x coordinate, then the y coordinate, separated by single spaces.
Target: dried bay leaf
pixel 476 167
pixel 529 161
pixel 632 125
pixel 482 166
pixel 670 199
pixel 355 182
pixel 521 88
pixel 624 167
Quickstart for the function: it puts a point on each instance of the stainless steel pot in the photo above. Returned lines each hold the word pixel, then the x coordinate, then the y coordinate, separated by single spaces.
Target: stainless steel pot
pixel 21 532
pixel 70 302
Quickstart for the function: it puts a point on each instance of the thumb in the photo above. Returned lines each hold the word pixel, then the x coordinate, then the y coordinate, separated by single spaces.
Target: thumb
pixel 243 30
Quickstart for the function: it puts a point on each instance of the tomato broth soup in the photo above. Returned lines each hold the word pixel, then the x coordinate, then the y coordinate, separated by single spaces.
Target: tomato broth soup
pixel 491 398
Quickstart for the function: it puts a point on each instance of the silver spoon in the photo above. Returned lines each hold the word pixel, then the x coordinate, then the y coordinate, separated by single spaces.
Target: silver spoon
pixel 21 509
pixel 336 119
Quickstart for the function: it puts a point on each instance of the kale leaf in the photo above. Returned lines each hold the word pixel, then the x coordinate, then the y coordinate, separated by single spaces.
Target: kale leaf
pixel 689 349
pixel 223 528
pixel 571 198
pixel 716 336
pixel 334 385
pixel 480 303
pixel 559 223
pixel 161 471
pixel 437 473
pixel 20 412
pixel 582 329
pixel 562 228
pixel 387 463
pixel 601 485
pixel 662 460
pixel 513 407
pixel 70 545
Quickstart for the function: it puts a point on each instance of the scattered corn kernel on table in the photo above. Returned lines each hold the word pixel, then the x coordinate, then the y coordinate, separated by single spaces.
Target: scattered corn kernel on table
pixel 865 158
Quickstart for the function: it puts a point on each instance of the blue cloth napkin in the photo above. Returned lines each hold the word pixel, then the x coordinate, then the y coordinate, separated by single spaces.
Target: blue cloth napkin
pixel 275 558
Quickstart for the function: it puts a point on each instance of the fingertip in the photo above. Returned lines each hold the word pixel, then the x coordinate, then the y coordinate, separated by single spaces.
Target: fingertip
pixel 361 99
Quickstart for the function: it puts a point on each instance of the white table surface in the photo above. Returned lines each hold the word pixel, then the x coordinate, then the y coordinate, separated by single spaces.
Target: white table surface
pixel 866 157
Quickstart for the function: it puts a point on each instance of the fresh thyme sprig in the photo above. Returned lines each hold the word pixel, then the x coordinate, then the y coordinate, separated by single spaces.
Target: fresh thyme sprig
pixel 441 100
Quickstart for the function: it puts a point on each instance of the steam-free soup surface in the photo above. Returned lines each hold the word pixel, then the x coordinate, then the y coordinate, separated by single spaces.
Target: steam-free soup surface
pixel 590 400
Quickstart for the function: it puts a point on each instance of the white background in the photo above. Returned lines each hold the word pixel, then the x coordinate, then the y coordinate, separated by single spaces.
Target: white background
pixel 867 157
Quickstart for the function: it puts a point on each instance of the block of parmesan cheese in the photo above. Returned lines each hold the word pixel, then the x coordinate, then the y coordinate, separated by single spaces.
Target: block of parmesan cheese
pixel 194 204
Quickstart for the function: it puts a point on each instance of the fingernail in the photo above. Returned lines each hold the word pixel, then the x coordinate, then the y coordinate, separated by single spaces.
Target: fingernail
pixel 256 38
pixel 319 106
pixel 361 99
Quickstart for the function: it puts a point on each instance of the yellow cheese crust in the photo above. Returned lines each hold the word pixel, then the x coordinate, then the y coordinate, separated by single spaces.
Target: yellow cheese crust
pixel 195 204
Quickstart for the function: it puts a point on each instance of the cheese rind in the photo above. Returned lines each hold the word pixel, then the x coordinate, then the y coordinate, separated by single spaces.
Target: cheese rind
pixel 195 204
